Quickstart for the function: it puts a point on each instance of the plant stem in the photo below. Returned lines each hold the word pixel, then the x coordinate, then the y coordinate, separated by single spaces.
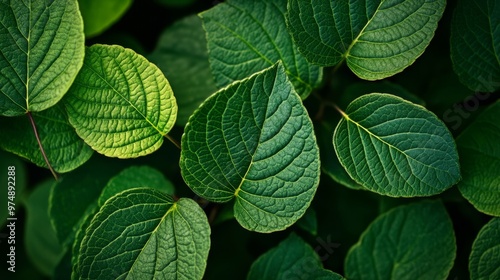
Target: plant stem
pixel 41 147
pixel 175 142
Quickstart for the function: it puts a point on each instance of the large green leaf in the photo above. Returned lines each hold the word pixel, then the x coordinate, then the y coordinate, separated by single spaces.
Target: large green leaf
pixel 254 142
pixel 396 148
pixel 181 53
pixel 475 44
pixel 480 160
pixel 98 15
pixel 120 104
pixel 64 149
pixel 41 243
pixel 484 261
pixel 245 37
pixel 41 51
pixel 291 259
pixel 377 38
pixel 414 241
pixel 136 177
pixel 144 234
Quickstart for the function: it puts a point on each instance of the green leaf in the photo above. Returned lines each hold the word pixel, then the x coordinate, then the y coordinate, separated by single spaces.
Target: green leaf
pixel 414 241
pixel 19 181
pixel 475 44
pixel 396 148
pixel 76 192
pixel 41 243
pixel 377 38
pixel 120 104
pixel 291 259
pixel 480 160
pixel 79 235
pixel 64 149
pixel 484 261
pixel 309 222
pixel 41 51
pixel 100 15
pixel 136 177
pixel 144 234
pixel 253 141
pixel 245 37
pixel 182 55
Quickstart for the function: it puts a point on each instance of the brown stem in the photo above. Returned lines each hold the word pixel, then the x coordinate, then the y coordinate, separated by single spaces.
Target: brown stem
pixel 41 147
pixel 175 142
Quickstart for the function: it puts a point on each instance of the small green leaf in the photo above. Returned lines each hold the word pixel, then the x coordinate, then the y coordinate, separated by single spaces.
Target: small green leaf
pixel 480 160
pixel 377 38
pixel 144 234
pixel 64 149
pixel 414 241
pixel 41 51
pixel 120 104
pixel 99 15
pixel 475 44
pixel 484 261
pixel 254 142
pixel 41 242
pixel 291 259
pixel 182 55
pixel 18 181
pixel 245 37
pixel 396 148
pixel 309 222
pixel 136 177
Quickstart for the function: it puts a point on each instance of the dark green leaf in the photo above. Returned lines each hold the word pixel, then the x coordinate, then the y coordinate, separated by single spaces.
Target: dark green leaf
pixel 484 261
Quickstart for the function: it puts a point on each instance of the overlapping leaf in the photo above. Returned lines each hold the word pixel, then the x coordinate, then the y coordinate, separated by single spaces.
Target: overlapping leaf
pixel 245 37
pixel 41 51
pixel 377 38
pixel 143 233
pixel 396 148
pixel 475 44
pixel 480 160
pixel 100 15
pixel 64 149
pixel 291 259
pixel 408 242
pixel 254 142
pixel 120 104
pixel 484 261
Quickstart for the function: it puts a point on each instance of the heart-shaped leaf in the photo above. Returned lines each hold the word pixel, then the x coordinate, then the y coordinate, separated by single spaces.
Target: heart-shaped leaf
pixel 120 104
pixel 396 148
pixel 64 149
pixel 41 51
pixel 475 44
pixel 484 260
pixel 144 234
pixel 253 141
pixel 480 160
pixel 245 37
pixel 414 241
pixel 377 38
pixel 291 259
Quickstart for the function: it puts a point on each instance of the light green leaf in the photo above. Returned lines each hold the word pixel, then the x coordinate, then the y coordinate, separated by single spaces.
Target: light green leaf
pixel 99 15
pixel 254 142
pixel 120 104
pixel 64 149
pixel 414 241
pixel 475 44
pixel 245 37
pixel 40 242
pixel 182 55
pixel 291 259
pixel 41 51
pixel 136 177
pixel 484 261
pixel 396 148
pixel 480 160
pixel 377 38
pixel 144 234
pixel 18 182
